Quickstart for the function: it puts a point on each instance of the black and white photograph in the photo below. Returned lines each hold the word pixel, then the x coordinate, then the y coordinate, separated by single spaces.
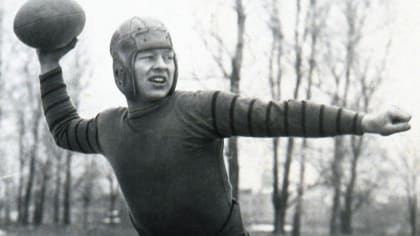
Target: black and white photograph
pixel 209 118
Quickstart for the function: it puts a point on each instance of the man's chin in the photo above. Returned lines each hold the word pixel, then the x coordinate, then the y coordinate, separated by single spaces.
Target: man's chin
pixel 157 96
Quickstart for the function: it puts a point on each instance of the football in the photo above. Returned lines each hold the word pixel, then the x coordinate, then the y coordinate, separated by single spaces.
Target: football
pixel 48 24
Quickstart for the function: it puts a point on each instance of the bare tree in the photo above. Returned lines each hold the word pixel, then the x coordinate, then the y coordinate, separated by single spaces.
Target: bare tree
pixel 8 203
pixel 2 81
pixel 407 168
pixel 275 77
pixel 25 106
pixel 369 83
pixel 34 114
pixel 282 198
pixel 21 154
pixel 58 173
pixel 342 79
pixel 298 53
pixel 67 189
pixel 234 76
pixel 2 89
pixel 356 78
pixel 49 154
pixel 315 23
pixel 411 182
pixel 32 163
pixel 45 175
pixel 90 174
pixel 80 69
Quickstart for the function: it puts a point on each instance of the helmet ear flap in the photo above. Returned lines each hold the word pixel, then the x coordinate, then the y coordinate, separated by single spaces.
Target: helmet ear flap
pixel 122 79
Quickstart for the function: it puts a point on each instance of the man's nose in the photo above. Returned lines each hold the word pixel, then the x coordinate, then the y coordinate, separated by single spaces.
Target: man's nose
pixel 160 63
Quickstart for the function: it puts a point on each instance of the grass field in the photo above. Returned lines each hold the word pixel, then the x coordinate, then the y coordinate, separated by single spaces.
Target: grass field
pixel 49 230
pixel 119 230
pixel 100 230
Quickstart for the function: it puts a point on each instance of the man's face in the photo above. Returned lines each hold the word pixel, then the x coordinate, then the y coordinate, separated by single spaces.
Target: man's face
pixel 154 71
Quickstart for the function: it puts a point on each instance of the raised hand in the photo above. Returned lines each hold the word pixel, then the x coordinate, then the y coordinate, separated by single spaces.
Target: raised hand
pixel 388 122
pixel 50 59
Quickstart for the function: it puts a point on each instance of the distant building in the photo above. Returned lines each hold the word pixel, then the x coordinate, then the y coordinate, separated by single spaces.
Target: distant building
pixel 256 207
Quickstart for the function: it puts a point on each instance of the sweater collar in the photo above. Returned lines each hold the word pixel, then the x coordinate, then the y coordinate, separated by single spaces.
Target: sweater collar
pixel 139 111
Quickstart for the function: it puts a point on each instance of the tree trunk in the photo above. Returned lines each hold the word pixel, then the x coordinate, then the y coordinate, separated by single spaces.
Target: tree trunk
pixel 7 199
pixel 19 198
pixel 412 213
pixel 28 190
pixel 234 88
pixel 412 194
pixel 284 193
pixel 39 204
pixel 33 155
pixel 274 79
pixel 67 191
pixel 40 201
pixel 315 31
pixel 351 43
pixel 89 176
pixel 347 212
pixel 300 191
pixel 276 194
pixel 2 206
pixel 57 191
pixel 2 81
pixel 336 180
pixel 86 206
pixel 346 220
pixel 1 44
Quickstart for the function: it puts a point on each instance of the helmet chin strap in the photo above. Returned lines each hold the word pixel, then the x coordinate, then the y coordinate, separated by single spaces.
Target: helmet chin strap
pixel 175 79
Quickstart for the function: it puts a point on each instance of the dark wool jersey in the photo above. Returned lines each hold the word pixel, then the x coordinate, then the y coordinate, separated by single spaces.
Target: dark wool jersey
pixel 168 158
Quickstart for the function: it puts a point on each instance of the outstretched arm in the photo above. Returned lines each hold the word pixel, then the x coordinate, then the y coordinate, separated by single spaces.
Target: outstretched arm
pixel 251 117
pixel 218 114
pixel 68 129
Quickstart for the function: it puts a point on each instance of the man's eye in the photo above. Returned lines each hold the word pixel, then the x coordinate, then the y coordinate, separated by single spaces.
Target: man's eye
pixel 150 57
pixel 169 57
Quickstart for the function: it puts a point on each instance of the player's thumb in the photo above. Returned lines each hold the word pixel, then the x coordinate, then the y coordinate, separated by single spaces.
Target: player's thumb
pixel 396 128
pixel 72 43
pixel 68 47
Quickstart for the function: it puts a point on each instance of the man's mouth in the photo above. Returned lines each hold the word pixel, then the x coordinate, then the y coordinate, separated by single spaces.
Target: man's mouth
pixel 158 79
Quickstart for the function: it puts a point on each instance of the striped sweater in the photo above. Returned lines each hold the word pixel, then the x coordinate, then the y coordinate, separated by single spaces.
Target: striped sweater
pixel 168 158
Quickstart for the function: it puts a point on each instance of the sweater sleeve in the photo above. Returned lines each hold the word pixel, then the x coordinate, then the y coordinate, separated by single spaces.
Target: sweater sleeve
pixel 68 129
pixel 224 115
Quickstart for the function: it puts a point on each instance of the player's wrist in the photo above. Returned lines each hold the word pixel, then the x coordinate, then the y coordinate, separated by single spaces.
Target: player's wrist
pixel 366 124
pixel 47 66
